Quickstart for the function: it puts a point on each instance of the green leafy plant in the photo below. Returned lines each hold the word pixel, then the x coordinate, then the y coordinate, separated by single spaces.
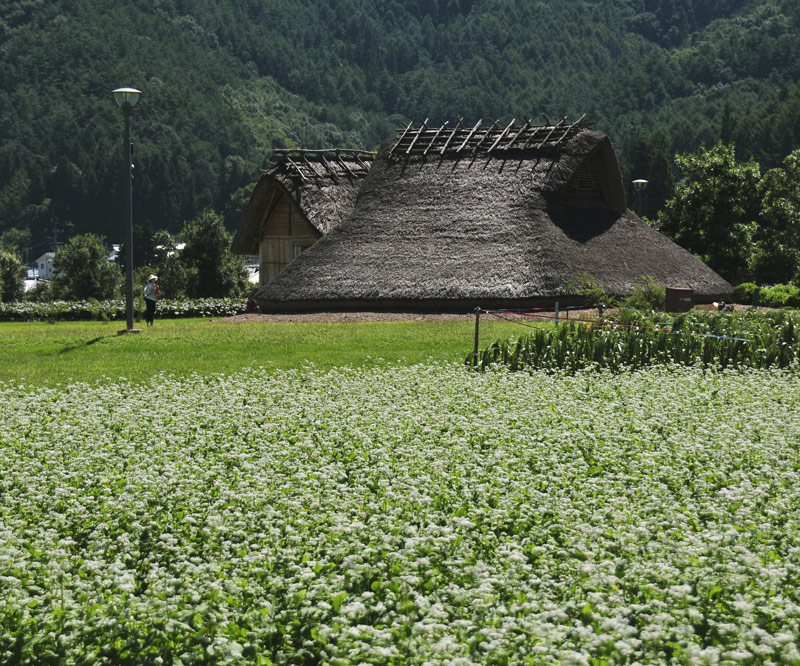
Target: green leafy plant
pixel 780 296
pixel 647 295
pixel 593 293
pixel 743 292
pixel 635 341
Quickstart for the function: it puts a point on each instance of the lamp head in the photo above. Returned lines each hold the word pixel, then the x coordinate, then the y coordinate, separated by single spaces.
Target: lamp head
pixel 639 184
pixel 127 97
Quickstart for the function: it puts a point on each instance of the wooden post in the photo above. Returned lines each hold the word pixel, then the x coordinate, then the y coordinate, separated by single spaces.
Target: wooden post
pixel 477 333
pixel 556 312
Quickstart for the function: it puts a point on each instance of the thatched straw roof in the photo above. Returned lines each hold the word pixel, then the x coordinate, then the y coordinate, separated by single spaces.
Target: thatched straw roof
pixel 501 217
pixel 322 184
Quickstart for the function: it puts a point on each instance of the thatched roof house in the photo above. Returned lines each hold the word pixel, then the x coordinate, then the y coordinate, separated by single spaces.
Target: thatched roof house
pixel 449 219
pixel 303 195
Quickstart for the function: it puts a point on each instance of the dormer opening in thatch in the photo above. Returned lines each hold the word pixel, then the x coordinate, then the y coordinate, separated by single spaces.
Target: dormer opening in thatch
pixel 595 184
pixel 451 218
pixel 584 189
pixel 303 195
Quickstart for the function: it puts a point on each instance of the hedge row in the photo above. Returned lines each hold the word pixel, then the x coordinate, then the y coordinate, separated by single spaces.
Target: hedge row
pixel 777 296
pixel 114 310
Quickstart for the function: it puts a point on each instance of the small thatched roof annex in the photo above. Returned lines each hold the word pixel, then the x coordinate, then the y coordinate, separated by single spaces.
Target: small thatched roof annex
pixel 452 218
pixel 321 186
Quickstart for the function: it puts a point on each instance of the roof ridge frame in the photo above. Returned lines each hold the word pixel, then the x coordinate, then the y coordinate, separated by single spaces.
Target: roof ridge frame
pixel 422 140
pixel 334 162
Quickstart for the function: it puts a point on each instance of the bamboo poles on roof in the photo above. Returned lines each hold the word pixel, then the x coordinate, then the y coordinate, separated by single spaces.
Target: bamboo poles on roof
pixel 324 163
pixel 459 139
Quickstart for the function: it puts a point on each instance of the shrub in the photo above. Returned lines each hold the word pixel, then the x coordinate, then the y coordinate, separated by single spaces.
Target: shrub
pixel 780 296
pixel 647 295
pixel 94 310
pixel 743 293
pixel 593 293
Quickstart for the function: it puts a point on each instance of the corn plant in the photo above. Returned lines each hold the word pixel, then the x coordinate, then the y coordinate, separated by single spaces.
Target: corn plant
pixel 634 341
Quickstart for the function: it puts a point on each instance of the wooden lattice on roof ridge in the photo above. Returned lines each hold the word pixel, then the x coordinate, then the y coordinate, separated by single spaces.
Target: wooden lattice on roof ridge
pixel 480 138
pixel 327 163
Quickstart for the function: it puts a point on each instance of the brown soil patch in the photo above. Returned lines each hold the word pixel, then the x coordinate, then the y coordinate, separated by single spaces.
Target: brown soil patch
pixel 342 317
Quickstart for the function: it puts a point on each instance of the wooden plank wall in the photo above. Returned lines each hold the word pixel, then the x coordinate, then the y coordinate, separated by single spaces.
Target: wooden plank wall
pixel 286 235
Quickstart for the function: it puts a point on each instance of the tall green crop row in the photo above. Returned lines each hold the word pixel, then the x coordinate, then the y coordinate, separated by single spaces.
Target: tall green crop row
pixel 634 341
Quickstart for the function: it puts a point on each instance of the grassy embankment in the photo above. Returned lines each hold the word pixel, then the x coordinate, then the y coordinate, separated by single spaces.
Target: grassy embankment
pixel 43 353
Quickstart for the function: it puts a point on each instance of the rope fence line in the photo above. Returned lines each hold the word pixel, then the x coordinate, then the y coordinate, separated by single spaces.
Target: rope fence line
pixel 534 314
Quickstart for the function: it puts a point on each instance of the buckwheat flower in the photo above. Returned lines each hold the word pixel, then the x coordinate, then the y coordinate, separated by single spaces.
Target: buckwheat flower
pixel 790 653
pixel 651 632
pixel 126 583
pixel 576 658
pixel 708 656
pixel 784 637
pixel 680 591
pixel 737 655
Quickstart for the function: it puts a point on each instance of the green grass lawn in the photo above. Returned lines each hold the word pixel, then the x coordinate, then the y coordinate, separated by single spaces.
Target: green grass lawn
pixel 44 353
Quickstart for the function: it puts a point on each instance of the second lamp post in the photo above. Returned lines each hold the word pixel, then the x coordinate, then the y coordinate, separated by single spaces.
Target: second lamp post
pixel 127 98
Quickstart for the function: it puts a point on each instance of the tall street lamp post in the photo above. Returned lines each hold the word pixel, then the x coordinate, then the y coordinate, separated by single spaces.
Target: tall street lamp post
pixel 127 98
pixel 639 184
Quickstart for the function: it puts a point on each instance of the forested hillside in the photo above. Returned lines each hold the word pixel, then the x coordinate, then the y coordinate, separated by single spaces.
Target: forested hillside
pixel 227 81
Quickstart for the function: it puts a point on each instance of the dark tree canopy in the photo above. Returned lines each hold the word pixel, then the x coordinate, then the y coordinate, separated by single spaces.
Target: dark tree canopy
pixel 12 277
pixel 743 224
pixel 225 83
pixel 83 270
pixel 213 271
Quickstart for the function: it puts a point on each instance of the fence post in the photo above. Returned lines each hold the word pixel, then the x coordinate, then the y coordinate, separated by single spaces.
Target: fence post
pixel 556 312
pixel 477 333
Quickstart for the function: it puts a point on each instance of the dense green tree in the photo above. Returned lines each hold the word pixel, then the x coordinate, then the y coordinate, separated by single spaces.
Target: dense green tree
pixel 743 224
pixel 16 240
pixel 776 250
pixel 213 271
pixel 12 277
pixel 165 261
pixel 84 271
pixel 144 250
pixel 714 210
pixel 174 278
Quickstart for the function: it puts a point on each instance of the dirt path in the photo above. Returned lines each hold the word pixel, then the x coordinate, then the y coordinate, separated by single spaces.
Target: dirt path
pixel 349 317
pixel 343 317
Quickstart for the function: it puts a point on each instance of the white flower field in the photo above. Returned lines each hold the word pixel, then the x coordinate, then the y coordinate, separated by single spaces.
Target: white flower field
pixel 422 515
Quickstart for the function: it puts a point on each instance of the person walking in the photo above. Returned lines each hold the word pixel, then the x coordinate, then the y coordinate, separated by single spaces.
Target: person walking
pixel 151 294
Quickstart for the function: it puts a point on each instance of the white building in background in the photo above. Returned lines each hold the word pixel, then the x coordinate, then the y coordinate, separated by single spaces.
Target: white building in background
pixel 31 278
pixel 44 266
pixel 253 267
